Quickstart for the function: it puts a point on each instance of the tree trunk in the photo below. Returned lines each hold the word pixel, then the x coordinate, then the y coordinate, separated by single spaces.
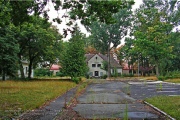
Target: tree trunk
pixel 21 68
pixel 30 69
pixel 157 69
pixel 109 67
pixel 3 75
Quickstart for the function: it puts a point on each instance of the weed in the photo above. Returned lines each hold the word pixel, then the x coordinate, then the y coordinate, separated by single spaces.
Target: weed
pixel 126 113
pixel 159 87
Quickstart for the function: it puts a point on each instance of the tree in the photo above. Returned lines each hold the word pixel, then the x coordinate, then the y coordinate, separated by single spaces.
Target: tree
pixel 152 34
pixel 73 61
pixel 8 43
pixel 108 36
pixel 175 61
pixel 36 42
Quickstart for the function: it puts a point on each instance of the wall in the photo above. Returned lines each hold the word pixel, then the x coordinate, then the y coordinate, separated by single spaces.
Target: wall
pixel 96 59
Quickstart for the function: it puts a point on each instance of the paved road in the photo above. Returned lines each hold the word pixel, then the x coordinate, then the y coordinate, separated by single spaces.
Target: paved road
pixel 114 99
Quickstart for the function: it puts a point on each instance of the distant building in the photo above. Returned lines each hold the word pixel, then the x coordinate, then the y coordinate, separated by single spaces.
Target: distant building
pixel 55 68
pixel 25 65
pixel 95 63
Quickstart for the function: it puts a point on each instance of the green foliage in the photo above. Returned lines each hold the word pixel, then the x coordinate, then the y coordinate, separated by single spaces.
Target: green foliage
pixel 104 76
pixel 161 78
pixel 73 61
pixel 168 104
pixel 115 72
pixel 76 79
pixel 9 49
pixel 127 75
pixel 152 35
pixel 170 75
pixel 37 41
pixel 104 65
pixel 95 10
pixel 42 72
pixel 8 42
pixel 105 34
pixel 60 74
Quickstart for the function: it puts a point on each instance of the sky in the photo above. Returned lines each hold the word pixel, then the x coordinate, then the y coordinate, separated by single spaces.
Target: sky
pixel 52 14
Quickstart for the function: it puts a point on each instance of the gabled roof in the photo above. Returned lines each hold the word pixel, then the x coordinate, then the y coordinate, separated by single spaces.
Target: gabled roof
pixel 113 62
pixel 55 67
pixel 89 56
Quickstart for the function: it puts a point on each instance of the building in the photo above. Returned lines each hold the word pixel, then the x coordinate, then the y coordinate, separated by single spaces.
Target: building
pixel 25 65
pixel 55 68
pixel 95 63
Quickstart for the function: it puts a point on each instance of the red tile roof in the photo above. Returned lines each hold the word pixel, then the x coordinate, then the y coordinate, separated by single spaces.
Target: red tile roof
pixel 55 67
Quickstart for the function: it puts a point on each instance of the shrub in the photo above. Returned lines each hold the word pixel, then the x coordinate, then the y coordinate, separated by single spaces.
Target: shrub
pixel 87 76
pixel 43 72
pixel 161 78
pixel 104 76
pixel 60 74
pixel 127 75
pixel 170 75
pixel 76 80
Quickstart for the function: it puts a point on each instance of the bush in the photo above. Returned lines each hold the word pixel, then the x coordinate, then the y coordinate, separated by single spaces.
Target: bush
pixel 60 74
pixel 127 75
pixel 104 76
pixel 173 74
pixel 76 80
pixel 87 76
pixel 161 78
pixel 43 72
pixel 170 75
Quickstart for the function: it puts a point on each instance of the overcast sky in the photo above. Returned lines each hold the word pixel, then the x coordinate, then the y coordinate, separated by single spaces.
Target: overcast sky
pixel 52 14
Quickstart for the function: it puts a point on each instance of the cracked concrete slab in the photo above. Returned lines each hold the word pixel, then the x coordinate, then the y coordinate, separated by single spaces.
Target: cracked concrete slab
pixel 110 100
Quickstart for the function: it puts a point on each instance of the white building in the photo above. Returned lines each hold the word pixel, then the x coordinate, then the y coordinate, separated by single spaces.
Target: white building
pixel 95 62
pixel 25 65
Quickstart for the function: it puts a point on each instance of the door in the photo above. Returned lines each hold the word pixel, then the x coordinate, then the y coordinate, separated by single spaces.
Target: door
pixel 96 73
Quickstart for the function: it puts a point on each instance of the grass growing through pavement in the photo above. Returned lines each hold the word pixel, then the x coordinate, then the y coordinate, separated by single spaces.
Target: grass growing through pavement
pixel 19 96
pixel 168 104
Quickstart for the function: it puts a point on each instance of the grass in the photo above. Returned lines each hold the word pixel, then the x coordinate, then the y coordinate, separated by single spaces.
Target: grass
pixel 177 80
pixel 168 104
pixel 19 96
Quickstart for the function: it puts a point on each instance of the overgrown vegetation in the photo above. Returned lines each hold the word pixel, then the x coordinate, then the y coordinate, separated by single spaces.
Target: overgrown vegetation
pixel 43 72
pixel 17 96
pixel 170 75
pixel 168 104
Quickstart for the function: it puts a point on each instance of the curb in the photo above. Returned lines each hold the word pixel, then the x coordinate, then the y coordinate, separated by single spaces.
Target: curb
pixel 157 109
pixel 171 83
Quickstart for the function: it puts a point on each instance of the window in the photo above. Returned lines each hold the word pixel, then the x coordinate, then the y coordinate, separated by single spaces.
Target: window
pixel 93 65
pixel 101 73
pixel 99 65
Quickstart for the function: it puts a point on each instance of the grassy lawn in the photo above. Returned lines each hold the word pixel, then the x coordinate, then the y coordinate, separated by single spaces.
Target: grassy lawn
pixel 168 104
pixel 173 80
pixel 19 96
